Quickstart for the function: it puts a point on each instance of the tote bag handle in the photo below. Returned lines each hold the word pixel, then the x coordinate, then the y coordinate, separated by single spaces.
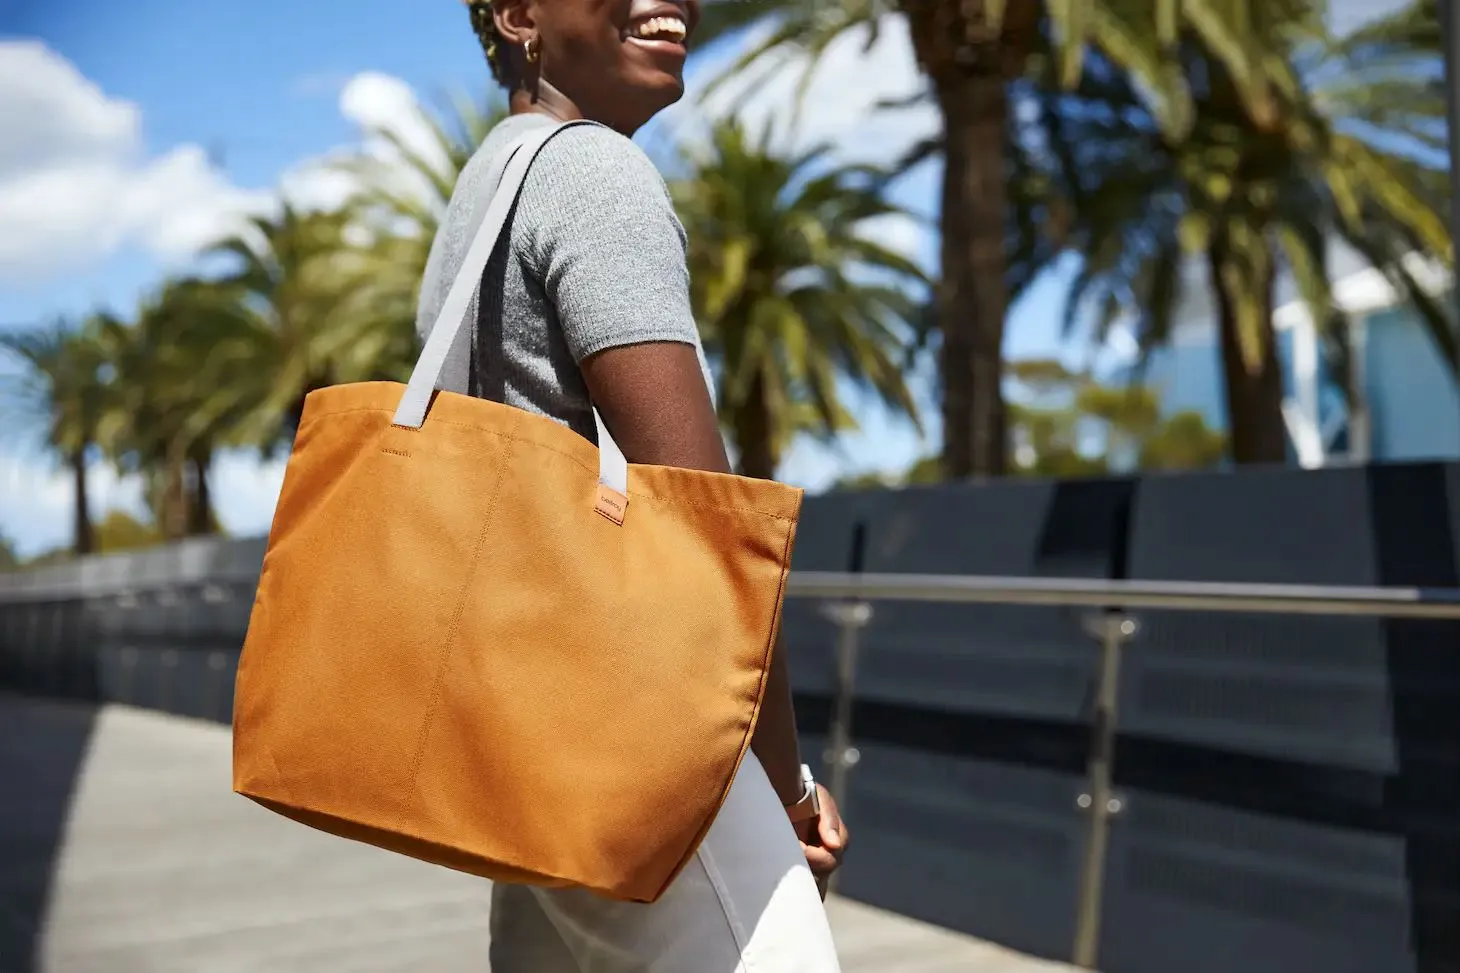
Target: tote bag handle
pixel 508 172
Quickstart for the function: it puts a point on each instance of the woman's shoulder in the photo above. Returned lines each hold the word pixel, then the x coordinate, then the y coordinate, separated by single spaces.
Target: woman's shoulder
pixel 579 160
pixel 598 156
pixel 587 181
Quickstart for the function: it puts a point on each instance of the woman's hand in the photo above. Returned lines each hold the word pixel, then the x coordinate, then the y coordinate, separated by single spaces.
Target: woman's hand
pixel 824 840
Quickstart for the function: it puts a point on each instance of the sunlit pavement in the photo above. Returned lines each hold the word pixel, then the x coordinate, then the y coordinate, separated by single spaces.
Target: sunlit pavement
pixel 123 850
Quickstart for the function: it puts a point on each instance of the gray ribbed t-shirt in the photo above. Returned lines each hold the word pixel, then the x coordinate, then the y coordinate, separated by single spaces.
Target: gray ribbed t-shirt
pixel 594 258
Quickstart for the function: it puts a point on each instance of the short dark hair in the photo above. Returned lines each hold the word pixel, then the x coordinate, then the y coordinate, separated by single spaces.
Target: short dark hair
pixel 485 27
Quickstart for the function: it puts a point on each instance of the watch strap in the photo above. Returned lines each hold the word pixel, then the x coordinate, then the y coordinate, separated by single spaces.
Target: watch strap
pixel 809 804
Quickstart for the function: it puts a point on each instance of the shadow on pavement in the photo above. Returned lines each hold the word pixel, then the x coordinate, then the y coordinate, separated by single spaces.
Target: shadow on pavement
pixel 42 748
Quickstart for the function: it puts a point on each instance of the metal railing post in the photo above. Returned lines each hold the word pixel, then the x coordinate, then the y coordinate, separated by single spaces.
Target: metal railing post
pixel 840 755
pixel 1114 629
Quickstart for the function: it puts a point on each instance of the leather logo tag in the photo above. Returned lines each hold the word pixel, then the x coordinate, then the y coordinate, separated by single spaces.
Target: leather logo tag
pixel 611 504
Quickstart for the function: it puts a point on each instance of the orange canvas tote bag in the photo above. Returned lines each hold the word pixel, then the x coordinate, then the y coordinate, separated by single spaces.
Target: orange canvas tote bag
pixel 485 642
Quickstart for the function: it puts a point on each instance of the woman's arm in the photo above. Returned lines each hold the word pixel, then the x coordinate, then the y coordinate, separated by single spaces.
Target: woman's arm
pixel 654 401
pixel 603 237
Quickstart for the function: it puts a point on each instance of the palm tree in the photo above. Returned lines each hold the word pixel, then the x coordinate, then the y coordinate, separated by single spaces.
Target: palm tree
pixel 64 385
pixel 183 388
pixel 970 51
pixel 401 195
pixel 1250 199
pixel 295 313
pixel 791 293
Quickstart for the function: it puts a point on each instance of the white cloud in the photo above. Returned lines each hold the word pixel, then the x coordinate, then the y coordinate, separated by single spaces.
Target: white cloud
pixel 380 102
pixel 374 103
pixel 76 184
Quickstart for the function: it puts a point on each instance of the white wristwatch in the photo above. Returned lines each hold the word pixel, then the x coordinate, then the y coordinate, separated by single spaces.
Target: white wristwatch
pixel 808 806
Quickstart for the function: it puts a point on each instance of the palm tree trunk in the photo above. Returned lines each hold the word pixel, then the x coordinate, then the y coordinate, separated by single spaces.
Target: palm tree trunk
pixel 972 298
pixel 1254 396
pixel 174 518
pixel 754 440
pixel 970 64
pixel 83 534
pixel 200 507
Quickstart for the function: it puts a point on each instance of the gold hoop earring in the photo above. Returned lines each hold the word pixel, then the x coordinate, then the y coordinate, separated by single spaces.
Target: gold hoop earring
pixel 529 50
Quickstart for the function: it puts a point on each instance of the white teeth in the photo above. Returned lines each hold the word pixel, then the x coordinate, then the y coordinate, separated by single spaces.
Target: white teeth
pixel 670 28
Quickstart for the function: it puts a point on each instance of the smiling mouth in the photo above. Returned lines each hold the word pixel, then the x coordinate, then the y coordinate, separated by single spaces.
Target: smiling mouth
pixel 670 30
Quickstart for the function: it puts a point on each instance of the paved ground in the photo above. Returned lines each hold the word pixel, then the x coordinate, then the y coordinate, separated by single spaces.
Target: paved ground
pixel 122 850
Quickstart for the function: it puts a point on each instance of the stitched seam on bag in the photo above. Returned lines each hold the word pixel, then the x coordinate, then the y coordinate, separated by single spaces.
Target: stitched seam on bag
pixel 727 907
pixel 449 641
pixel 678 501
pixel 682 502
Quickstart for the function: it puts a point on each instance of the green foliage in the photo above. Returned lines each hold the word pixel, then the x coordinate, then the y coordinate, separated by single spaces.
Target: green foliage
pixel 1141 36
pixel 1069 426
pixel 59 383
pixel 297 305
pixel 1344 149
pixel 1183 441
pixel 120 531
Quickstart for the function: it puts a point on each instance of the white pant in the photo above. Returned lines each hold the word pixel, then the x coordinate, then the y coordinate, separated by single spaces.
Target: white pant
pixel 746 903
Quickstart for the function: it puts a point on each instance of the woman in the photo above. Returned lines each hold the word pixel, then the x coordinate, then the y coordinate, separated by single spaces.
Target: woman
pixel 588 300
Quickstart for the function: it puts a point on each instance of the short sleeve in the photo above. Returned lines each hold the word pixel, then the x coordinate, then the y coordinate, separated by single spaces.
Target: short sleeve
pixel 606 243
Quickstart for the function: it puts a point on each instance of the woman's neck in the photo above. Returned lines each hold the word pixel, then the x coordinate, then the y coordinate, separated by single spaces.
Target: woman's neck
pixel 547 100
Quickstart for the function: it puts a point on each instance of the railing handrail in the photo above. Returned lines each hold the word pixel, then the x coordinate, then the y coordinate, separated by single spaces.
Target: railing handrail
pixel 1218 596
pixel 1214 596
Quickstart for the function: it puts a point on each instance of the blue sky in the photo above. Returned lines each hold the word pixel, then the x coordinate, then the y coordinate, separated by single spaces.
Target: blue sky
pixel 146 125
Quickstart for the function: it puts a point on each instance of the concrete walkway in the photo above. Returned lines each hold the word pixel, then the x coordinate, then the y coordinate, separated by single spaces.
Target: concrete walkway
pixel 124 851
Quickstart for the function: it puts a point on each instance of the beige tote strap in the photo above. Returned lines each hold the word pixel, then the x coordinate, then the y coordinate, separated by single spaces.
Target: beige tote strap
pixel 508 172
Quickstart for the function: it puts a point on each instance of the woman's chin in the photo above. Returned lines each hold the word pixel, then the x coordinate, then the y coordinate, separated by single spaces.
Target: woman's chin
pixel 659 88
pixel 639 93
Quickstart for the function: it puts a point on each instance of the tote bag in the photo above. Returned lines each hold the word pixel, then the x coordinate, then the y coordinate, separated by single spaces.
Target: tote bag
pixel 482 641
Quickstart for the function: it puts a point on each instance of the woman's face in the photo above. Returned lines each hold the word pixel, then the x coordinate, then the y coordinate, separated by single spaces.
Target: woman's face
pixel 619 61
